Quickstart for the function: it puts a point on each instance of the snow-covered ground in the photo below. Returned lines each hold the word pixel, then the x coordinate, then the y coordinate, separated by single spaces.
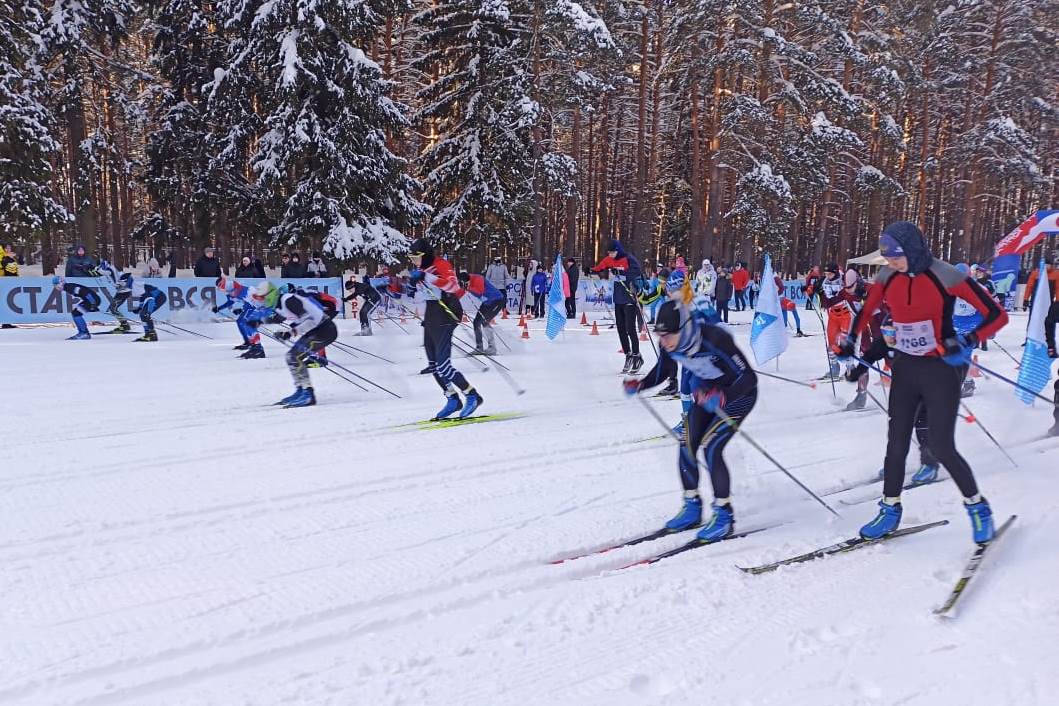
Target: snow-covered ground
pixel 167 537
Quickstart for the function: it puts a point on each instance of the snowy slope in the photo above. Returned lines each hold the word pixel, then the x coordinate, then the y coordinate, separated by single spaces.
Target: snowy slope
pixel 166 537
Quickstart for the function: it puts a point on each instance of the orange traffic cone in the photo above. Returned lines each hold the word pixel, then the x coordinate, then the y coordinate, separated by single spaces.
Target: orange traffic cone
pixel 975 372
pixel 525 332
pixel 402 317
pixel 643 333
pixel 594 331
pixel 504 315
pixel 584 318
pixel 522 321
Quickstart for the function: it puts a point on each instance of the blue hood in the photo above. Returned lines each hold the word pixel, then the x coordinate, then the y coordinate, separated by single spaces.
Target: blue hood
pixel 912 242
pixel 615 245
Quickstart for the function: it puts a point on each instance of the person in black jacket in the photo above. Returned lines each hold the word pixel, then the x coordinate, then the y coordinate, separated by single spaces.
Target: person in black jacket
pixel 625 270
pixel 723 292
pixel 296 268
pixel 246 268
pixel 572 273
pixel 79 264
pixel 208 265
pixel 284 267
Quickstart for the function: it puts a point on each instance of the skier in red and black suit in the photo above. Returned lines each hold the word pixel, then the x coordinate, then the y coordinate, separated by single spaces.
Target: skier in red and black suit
pixel 929 364
pixel 625 271
pixel 443 313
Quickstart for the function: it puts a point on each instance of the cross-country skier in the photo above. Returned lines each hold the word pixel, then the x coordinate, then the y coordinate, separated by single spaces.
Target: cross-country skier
pixel 838 297
pixel 929 364
pixel 311 323
pixel 625 271
pixel 491 301
pixel 147 299
pixel 112 275
pixel 435 278
pixel 263 300
pixel 234 293
pixel 965 319
pixel 85 300
pixel 368 290
pixel 723 384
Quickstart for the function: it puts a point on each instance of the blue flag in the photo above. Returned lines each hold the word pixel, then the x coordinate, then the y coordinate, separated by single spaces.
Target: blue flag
pixel 768 335
pixel 1036 368
pixel 556 302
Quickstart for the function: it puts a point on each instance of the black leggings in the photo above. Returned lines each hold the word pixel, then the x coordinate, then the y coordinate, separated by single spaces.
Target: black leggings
pixel 703 426
pixel 437 341
pixel 485 314
pixel 309 345
pixel 722 309
pixel 626 317
pixel 366 311
pixel 935 385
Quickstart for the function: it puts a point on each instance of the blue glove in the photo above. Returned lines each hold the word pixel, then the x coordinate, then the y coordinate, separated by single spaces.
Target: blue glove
pixel 711 400
pixel 957 350
pixel 630 386
pixel 416 277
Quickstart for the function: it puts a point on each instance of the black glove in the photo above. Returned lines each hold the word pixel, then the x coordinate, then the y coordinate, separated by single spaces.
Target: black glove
pixel 854 374
pixel 276 319
pixel 237 311
pixel 846 347
pixel 214 309
pixel 283 335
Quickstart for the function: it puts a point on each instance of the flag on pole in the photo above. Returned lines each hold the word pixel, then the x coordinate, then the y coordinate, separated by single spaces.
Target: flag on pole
pixel 1036 368
pixel 768 335
pixel 556 302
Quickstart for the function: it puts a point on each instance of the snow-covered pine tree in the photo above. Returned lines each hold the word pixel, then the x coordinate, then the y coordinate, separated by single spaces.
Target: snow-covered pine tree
pixel 27 205
pixel 322 168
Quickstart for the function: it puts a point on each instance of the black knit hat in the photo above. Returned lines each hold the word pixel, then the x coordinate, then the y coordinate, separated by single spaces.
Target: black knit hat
pixel 421 246
pixel 668 318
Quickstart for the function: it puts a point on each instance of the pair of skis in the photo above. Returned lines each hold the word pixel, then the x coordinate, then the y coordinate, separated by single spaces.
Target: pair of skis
pixel 843 547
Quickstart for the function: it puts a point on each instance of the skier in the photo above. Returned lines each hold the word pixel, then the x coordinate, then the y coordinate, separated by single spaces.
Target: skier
pixel 724 388
pixel 625 271
pixel 147 299
pixel 965 319
pixel 262 300
pixel 85 300
pixel 107 271
pixel 929 364
pixel 312 323
pixel 838 296
pixel 652 295
pixel 788 306
pixel 491 301
pixel 236 292
pixel 368 290
pixel 436 280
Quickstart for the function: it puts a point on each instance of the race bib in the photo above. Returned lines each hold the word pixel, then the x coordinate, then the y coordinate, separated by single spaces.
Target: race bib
pixel 916 338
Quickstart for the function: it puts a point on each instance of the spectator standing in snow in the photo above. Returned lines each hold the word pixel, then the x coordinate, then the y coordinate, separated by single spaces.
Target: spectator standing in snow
pixel 706 280
pixel 246 268
pixel 207 265
pixel 740 283
pixel 572 275
pixel 723 292
pixel 540 292
pixel 316 267
pixel 79 264
pixel 284 267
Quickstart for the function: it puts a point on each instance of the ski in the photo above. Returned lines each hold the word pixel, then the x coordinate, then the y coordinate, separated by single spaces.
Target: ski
pixel 969 572
pixel 852 486
pixel 842 547
pixel 445 423
pixel 906 486
pixel 693 544
pixel 641 539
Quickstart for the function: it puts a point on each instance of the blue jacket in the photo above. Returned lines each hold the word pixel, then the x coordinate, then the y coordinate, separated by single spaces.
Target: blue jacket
pixel 540 283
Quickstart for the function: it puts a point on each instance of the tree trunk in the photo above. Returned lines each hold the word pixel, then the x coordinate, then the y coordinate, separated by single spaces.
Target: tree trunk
pixel 80 177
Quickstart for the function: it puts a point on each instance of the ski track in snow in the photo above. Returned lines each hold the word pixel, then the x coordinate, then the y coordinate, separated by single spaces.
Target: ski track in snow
pixel 167 537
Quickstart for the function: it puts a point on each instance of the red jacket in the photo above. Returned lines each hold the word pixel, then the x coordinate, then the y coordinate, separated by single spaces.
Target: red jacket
pixel 928 298
pixel 740 278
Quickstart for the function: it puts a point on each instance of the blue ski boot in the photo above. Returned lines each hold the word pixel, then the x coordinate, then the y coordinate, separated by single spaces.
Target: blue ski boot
pixel 981 521
pixel 888 519
pixel 721 525
pixel 679 428
pixel 303 398
pixel 474 401
pixel 689 515
pixel 286 400
pixel 80 336
pixel 452 405
pixel 927 474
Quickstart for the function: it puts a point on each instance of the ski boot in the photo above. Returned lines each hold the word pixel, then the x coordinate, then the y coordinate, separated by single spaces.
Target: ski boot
pixel 253 352
pixel 474 401
pixel 429 370
pixel 286 400
pixel 888 519
pixel 981 520
pixel 637 363
pixel 316 360
pixel 242 347
pixel 491 350
pixel 80 336
pixel 721 525
pixel 928 473
pixel 679 428
pixel 967 388
pixel 452 405
pixel 689 515
pixel 628 364
pixel 800 334
pixel 305 397
pixel 147 337
pixel 364 331
pixel 122 327
pixel 670 389
pixel 858 402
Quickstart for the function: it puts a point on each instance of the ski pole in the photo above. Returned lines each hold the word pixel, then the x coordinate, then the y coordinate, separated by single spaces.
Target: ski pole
pixel 1018 385
pixel 972 417
pixel 827 351
pixel 810 385
pixel 643 318
pixel 969 418
pixel 178 328
pixel 1018 363
pixel 349 349
pixel 735 427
